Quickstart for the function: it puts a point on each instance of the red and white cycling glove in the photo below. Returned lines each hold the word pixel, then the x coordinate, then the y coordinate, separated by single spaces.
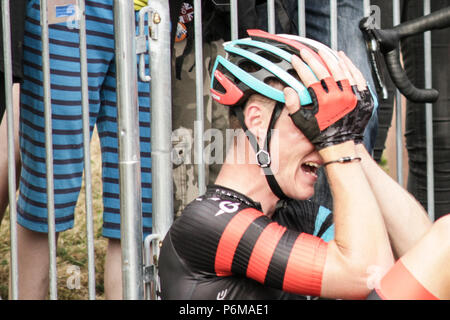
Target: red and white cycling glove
pixel 326 122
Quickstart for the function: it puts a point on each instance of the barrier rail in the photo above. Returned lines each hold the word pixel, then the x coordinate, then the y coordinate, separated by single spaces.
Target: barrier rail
pixel 140 256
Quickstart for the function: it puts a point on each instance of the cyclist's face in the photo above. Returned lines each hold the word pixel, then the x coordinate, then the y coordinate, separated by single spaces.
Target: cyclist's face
pixel 295 159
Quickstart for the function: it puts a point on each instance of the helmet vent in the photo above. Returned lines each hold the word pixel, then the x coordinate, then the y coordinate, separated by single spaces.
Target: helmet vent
pixel 271 57
pixel 249 66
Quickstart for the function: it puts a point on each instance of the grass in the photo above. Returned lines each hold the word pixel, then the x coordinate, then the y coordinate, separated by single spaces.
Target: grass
pixel 72 259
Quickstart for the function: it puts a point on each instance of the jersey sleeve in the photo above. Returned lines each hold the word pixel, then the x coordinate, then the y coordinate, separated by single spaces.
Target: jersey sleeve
pixel 243 241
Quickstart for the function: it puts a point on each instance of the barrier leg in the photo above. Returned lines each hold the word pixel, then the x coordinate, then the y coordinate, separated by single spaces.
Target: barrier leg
pixel 49 152
pixel 87 151
pixel 158 17
pixel 429 118
pixel 7 56
pixel 129 154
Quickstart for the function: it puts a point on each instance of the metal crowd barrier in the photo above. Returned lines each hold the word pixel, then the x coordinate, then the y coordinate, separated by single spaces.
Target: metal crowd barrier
pixel 140 256
pixel 129 163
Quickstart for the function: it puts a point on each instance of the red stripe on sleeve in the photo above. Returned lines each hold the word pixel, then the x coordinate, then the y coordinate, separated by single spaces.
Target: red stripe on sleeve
pixel 305 266
pixel 400 284
pixel 263 251
pixel 230 239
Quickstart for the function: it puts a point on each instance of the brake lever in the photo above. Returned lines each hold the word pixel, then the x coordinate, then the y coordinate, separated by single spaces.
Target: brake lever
pixel 374 55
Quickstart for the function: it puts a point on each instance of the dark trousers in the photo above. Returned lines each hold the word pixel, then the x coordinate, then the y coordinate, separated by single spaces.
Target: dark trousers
pixel 413 57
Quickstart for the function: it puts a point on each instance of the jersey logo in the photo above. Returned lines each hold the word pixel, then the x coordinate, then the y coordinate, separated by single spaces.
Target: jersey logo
pixel 227 207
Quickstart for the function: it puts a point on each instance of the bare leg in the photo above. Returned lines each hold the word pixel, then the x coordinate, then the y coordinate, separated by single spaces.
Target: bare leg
pixel 4 151
pixel 33 260
pixel 113 270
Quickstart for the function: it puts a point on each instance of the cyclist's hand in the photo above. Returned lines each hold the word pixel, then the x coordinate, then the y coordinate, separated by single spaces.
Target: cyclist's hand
pixel 324 122
pixel 366 102
pixel 139 4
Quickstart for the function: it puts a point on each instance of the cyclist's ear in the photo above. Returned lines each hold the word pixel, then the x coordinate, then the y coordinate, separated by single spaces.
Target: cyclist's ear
pixel 257 119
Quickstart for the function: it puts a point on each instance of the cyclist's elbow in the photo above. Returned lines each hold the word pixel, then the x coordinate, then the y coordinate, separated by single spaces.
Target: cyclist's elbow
pixel 351 275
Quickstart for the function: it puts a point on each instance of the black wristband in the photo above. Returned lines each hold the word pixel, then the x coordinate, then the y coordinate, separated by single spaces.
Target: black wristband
pixel 343 160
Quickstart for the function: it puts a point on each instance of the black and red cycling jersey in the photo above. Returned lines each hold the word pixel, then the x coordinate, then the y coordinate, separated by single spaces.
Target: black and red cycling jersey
pixel 224 247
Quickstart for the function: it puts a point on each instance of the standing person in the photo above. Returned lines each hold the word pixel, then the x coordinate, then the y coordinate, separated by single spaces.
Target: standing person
pixel 68 140
pixel 17 20
pixel 415 131
pixel 215 30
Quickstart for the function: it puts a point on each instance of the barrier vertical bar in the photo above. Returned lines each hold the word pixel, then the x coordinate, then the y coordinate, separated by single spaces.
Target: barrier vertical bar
pixel 159 49
pixel 49 150
pixel 366 5
pixel 301 18
pixel 271 16
pixel 333 25
pixel 7 67
pixel 129 154
pixel 234 19
pixel 398 107
pixel 199 123
pixel 161 98
pixel 86 149
pixel 429 117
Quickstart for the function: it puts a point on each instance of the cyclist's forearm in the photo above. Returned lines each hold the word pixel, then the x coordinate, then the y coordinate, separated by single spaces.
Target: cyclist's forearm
pixel 361 239
pixel 406 220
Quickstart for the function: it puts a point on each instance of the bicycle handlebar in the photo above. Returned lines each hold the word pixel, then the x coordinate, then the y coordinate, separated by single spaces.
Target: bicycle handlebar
pixel 387 41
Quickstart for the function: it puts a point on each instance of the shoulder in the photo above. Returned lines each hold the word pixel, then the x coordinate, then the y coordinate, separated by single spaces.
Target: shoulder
pixel 305 216
pixel 210 212
pixel 196 234
pixel 207 217
pixel 297 214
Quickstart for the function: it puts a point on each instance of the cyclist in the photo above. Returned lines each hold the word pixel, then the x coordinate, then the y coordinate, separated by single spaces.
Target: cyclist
pixel 231 243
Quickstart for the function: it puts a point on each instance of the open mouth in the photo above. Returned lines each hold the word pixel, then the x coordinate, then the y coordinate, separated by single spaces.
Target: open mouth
pixel 310 168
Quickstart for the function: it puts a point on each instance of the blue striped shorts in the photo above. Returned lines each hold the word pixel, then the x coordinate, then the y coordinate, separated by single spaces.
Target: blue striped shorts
pixel 67 122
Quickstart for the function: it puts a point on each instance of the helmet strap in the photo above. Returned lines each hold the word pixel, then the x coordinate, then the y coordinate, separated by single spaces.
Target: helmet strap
pixel 263 154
